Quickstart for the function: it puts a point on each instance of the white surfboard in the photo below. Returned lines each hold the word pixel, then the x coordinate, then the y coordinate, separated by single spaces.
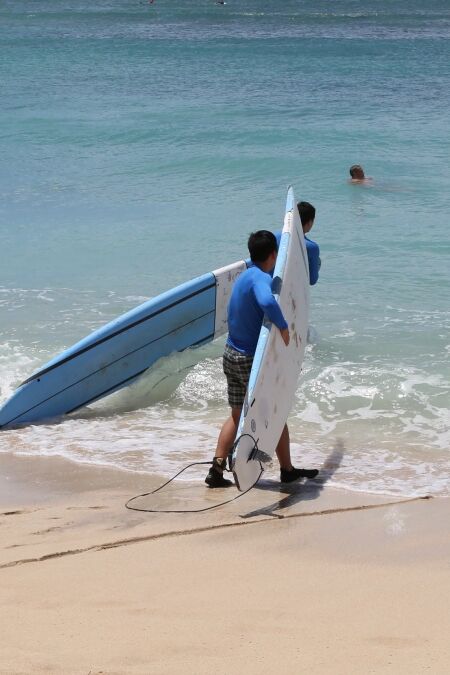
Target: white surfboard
pixel 276 368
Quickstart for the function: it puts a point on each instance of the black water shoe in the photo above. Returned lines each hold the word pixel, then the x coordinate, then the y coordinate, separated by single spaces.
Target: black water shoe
pixel 287 476
pixel 215 479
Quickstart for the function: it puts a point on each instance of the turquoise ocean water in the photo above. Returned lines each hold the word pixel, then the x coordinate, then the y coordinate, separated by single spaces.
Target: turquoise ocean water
pixel 140 144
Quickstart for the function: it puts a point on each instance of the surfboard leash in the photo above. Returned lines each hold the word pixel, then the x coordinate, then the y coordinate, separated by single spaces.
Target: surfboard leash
pixel 207 508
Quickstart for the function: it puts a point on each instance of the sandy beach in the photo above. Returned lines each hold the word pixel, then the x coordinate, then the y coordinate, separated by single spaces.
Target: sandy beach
pixel 297 579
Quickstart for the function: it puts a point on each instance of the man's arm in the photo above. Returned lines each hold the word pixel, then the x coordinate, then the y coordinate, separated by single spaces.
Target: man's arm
pixel 313 251
pixel 271 308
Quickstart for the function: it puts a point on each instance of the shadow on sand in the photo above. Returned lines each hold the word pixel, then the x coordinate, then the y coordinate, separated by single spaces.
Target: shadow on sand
pixel 298 491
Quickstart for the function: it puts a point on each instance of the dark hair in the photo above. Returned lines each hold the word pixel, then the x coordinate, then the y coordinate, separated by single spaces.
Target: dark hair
pixel 354 168
pixel 261 244
pixel 307 212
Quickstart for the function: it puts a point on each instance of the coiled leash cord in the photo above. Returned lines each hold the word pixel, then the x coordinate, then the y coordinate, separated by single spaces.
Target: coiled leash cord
pixel 207 508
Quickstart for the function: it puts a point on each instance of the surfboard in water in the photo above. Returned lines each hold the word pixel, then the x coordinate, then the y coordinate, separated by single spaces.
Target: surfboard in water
pixel 115 355
pixel 276 368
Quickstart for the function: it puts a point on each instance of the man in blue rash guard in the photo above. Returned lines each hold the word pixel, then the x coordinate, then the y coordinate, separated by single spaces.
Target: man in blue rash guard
pixel 251 299
pixel 307 214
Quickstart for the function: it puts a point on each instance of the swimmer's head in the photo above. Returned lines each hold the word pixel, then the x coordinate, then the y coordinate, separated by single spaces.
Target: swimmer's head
pixel 357 172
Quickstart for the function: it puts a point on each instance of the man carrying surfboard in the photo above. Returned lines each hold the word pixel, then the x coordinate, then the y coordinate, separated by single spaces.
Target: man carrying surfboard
pixel 250 301
pixel 307 213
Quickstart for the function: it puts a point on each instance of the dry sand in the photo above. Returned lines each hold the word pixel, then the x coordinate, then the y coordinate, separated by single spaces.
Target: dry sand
pixel 304 579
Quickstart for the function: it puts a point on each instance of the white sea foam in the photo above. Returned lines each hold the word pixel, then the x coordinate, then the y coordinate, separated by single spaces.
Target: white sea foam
pixel 171 417
pixel 13 364
pixel 393 418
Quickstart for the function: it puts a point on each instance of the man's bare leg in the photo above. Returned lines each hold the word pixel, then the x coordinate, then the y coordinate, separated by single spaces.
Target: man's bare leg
pixel 228 434
pixel 283 450
pixel 287 472
pixel 215 477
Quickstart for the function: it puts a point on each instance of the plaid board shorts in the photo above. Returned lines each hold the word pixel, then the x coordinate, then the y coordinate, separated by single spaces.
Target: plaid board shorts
pixel 236 367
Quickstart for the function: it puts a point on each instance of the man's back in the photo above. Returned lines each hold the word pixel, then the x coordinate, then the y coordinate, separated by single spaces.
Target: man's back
pixel 251 298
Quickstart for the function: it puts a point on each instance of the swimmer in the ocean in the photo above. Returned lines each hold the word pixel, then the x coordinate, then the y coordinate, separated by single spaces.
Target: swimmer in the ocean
pixel 357 174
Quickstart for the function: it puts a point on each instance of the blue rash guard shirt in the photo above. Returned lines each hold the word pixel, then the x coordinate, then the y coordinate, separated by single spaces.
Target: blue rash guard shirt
pixel 313 251
pixel 251 299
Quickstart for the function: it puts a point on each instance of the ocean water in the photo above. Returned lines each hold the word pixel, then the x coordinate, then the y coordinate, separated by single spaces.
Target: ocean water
pixel 140 144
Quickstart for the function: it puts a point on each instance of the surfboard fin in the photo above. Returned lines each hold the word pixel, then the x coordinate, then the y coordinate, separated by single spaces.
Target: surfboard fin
pixel 260 456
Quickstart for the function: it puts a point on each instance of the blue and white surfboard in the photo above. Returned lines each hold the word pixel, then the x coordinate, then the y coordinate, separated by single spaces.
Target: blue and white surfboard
pixel 115 355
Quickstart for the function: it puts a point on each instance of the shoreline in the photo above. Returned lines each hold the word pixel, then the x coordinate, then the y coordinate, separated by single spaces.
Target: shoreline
pixel 29 479
pixel 301 576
